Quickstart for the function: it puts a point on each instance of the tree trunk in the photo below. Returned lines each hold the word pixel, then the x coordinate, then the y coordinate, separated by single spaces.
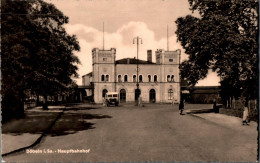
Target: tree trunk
pixel 45 103
pixel 38 101
pixel 20 104
pixel 20 111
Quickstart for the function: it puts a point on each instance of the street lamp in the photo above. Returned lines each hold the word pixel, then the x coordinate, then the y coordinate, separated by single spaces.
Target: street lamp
pixel 137 66
pixel 179 50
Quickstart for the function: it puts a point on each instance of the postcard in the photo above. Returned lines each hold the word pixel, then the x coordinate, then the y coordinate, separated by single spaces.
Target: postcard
pixel 129 81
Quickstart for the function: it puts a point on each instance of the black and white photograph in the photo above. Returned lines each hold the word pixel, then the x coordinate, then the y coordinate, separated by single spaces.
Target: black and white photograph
pixel 129 81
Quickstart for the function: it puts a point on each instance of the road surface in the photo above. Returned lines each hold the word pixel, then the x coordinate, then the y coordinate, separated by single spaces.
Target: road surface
pixel 130 133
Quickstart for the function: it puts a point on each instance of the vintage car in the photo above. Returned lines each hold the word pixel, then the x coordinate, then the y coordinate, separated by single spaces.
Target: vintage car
pixel 112 98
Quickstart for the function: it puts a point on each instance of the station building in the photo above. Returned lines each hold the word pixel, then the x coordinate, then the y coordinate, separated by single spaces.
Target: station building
pixel 157 82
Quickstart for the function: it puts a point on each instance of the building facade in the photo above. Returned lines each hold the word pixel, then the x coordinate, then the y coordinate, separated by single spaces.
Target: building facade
pixel 156 82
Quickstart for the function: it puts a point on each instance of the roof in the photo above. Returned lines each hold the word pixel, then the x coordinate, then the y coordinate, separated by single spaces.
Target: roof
pixel 85 87
pixel 206 90
pixel 89 74
pixel 132 61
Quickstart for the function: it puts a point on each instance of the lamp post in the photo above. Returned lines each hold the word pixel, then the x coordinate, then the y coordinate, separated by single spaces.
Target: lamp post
pixel 137 66
pixel 179 50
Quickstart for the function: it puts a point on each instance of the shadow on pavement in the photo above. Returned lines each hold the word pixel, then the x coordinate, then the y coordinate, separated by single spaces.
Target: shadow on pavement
pixel 201 111
pixel 38 122
pixel 80 108
pixel 71 123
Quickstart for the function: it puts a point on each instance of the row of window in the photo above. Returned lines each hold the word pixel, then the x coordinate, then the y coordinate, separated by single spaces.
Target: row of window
pixel 170 78
pixel 135 78
pixel 105 78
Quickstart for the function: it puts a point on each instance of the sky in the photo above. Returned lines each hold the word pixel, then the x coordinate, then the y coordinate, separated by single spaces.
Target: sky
pixel 124 20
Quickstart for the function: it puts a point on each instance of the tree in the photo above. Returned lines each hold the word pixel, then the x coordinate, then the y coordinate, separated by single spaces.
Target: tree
pixel 37 53
pixel 223 38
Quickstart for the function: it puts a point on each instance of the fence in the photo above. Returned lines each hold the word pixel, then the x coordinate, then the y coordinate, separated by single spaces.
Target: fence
pixel 236 109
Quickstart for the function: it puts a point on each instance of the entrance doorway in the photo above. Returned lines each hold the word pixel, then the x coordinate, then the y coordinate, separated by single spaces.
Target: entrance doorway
pixel 152 96
pixel 137 94
pixel 104 92
pixel 122 95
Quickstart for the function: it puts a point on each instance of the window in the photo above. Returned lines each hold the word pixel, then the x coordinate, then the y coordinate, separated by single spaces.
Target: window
pixel 170 94
pixel 107 78
pixel 134 78
pixel 115 95
pixel 126 78
pixel 170 60
pixel 172 78
pixel 155 78
pixel 104 59
pixel 140 78
pixel 168 78
pixel 119 78
pixel 149 78
pixel 102 77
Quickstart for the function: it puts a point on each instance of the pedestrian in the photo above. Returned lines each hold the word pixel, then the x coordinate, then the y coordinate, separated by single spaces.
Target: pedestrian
pixel 181 107
pixel 245 113
pixel 215 106
pixel 104 101
pixel 172 100
pixel 140 102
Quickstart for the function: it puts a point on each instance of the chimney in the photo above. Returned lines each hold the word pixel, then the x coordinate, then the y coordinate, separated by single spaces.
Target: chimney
pixel 149 55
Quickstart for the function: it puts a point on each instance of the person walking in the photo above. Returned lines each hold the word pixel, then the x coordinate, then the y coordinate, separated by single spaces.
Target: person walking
pixel 245 113
pixel 181 107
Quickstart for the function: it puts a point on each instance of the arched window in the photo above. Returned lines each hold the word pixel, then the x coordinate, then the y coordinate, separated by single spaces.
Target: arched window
pixel 149 78
pixel 119 78
pixel 134 78
pixel 126 78
pixel 172 78
pixel 102 77
pixel 168 78
pixel 140 78
pixel 170 94
pixel 155 78
pixel 107 78
pixel 104 92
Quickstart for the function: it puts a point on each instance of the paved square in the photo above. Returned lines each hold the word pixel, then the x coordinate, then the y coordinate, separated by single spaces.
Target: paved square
pixel 155 132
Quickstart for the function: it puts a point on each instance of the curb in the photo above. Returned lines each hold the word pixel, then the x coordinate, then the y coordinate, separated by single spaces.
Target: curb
pixel 38 140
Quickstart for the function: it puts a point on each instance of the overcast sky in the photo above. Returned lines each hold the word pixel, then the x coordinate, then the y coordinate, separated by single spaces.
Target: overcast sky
pixel 124 20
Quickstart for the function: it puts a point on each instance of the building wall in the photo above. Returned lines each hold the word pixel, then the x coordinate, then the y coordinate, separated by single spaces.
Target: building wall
pixel 86 79
pixel 167 64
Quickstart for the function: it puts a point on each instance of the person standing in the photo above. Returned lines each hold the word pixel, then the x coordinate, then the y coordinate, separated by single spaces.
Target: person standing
pixel 140 100
pixel 245 113
pixel 215 106
pixel 172 100
pixel 104 101
pixel 181 107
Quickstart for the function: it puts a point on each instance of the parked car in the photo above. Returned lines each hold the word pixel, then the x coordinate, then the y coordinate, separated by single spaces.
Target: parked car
pixel 112 98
